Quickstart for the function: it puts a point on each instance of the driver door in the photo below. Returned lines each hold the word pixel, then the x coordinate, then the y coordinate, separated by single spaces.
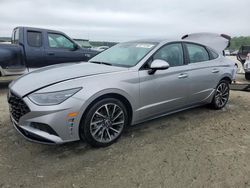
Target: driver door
pixel 60 49
pixel 165 90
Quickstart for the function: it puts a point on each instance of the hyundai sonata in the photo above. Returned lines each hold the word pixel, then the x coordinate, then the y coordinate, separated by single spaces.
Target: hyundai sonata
pixel 125 85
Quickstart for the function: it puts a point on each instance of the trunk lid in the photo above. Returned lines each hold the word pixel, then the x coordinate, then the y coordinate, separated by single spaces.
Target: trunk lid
pixel 218 42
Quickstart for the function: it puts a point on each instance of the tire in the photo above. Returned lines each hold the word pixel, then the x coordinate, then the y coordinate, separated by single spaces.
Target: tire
pixel 104 122
pixel 221 95
pixel 247 76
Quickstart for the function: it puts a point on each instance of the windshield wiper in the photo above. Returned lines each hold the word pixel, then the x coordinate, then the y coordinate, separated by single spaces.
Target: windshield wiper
pixel 99 62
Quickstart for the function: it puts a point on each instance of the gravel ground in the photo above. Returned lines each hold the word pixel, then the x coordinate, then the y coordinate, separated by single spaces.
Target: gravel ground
pixel 195 148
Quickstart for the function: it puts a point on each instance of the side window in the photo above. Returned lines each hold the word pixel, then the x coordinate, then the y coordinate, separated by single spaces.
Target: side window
pixel 15 36
pixel 59 41
pixel 213 54
pixel 172 53
pixel 197 53
pixel 34 38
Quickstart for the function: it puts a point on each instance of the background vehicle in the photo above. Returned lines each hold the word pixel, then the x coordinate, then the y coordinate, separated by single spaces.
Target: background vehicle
pixel 234 53
pixel 83 43
pixel 226 52
pixel 127 84
pixel 101 48
pixel 5 42
pixel 247 67
pixel 34 48
pixel 242 53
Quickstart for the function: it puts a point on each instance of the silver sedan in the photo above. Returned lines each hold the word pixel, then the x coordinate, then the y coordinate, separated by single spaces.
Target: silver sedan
pixel 125 85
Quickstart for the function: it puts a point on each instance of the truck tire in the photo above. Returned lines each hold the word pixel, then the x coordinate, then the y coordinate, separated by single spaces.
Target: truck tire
pixel 247 76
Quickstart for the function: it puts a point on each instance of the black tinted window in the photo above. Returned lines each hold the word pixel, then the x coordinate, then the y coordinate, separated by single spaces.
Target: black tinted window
pixel 34 38
pixel 197 53
pixel 172 53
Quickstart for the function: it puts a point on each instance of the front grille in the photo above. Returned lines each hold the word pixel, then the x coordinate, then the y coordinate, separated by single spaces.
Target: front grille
pixel 18 108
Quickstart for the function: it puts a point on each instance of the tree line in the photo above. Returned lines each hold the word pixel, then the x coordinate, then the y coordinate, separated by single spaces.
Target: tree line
pixel 237 42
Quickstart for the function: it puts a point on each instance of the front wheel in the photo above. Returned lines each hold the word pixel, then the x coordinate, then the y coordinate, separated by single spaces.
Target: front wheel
pixel 221 95
pixel 247 76
pixel 104 122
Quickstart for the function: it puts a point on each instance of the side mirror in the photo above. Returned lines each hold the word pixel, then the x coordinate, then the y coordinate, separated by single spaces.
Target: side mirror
pixel 158 64
pixel 75 47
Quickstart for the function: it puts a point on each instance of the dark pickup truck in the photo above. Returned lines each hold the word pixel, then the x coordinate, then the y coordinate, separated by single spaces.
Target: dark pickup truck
pixel 32 48
pixel 242 53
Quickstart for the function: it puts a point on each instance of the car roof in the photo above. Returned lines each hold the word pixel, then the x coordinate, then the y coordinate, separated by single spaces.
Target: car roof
pixel 82 40
pixel 154 40
pixel 164 41
pixel 38 29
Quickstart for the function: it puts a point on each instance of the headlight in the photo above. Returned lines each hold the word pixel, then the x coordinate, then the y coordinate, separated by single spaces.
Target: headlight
pixel 52 98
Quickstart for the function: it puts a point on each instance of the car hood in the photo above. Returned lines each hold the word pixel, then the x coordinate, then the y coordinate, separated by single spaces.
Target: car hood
pixel 58 73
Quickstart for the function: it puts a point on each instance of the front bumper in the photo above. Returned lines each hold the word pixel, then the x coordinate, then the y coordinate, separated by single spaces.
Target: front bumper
pixel 50 124
pixel 35 135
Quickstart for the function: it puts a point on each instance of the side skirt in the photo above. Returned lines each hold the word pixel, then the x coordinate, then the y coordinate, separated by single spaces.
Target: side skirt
pixel 167 113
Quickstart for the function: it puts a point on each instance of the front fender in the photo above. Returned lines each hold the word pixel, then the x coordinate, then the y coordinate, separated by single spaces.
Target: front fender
pixel 130 99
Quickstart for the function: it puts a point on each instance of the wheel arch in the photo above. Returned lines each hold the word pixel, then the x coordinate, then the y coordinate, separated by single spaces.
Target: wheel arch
pixel 227 78
pixel 117 95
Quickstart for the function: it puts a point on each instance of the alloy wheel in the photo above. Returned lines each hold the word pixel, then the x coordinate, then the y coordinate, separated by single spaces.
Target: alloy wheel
pixel 222 94
pixel 107 123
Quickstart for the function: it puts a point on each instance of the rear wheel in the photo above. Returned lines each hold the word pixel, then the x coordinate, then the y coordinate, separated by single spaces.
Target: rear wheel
pixel 221 95
pixel 104 122
pixel 247 76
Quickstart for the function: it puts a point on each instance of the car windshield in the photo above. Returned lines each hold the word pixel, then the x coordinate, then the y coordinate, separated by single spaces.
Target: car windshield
pixel 126 54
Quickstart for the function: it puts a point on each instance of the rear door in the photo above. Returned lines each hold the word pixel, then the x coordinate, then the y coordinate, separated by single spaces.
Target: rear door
pixel 203 71
pixel 34 49
pixel 61 49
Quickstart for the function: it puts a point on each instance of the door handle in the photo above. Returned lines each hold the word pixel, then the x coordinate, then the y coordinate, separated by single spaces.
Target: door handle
pixel 51 53
pixel 183 75
pixel 215 71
